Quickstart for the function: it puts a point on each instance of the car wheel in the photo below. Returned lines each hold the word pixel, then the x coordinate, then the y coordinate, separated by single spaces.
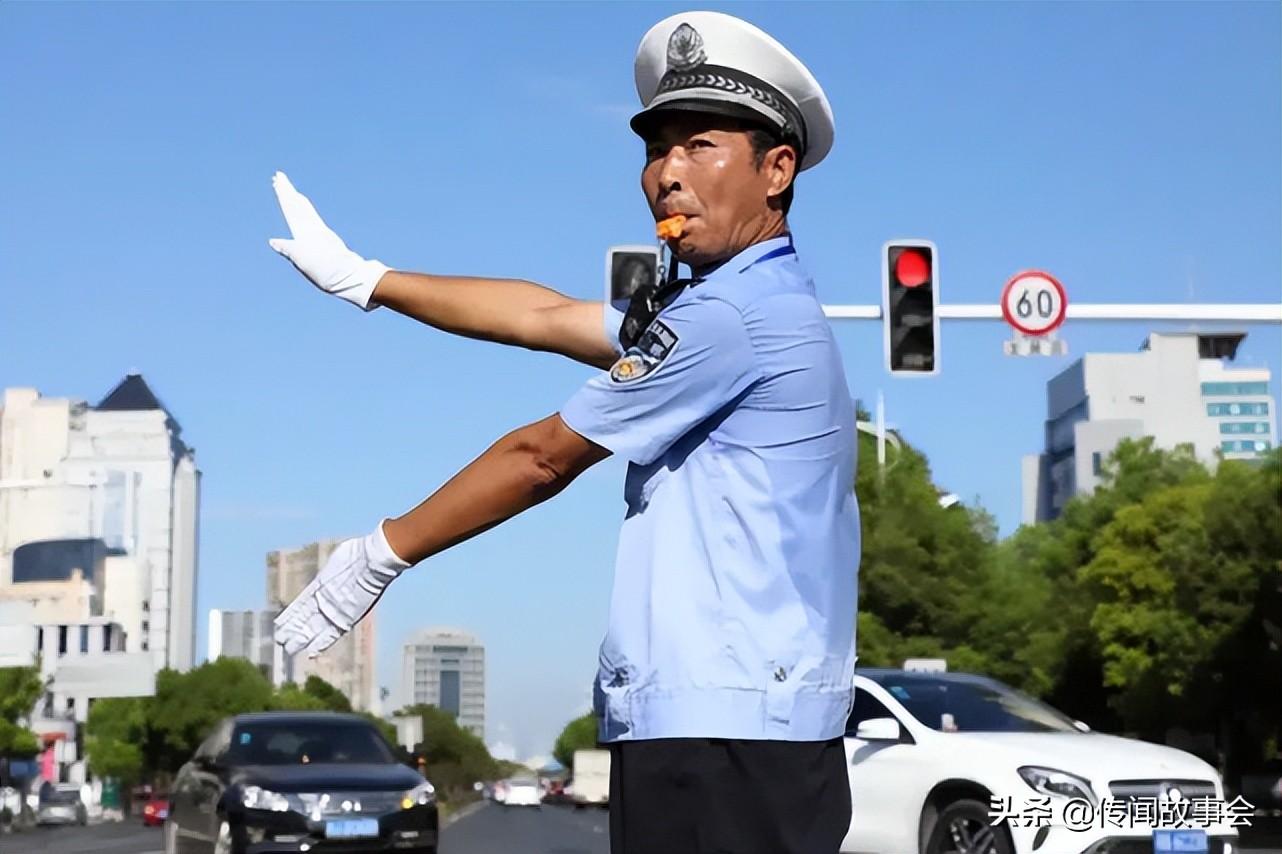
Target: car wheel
pixel 964 827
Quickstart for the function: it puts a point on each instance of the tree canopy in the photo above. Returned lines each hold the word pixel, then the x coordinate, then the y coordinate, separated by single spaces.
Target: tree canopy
pixel 20 688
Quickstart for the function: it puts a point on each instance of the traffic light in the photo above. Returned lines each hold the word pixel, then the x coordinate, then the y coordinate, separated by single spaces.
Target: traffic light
pixel 910 270
pixel 629 269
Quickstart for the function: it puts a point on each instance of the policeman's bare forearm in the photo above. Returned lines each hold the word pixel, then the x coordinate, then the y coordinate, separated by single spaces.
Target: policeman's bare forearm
pixel 489 309
pixel 524 468
pixel 507 311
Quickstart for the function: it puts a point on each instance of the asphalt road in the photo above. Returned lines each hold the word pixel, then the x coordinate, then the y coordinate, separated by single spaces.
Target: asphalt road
pixel 495 829
pixel 490 829
pixel 125 837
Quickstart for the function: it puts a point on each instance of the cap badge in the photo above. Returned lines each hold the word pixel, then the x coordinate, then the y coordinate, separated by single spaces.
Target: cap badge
pixel 685 49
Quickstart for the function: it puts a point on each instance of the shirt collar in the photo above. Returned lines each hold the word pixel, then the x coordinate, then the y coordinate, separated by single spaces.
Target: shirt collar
pixel 749 256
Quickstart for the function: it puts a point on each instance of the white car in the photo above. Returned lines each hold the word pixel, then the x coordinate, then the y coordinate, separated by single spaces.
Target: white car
pixel 521 793
pixel 928 752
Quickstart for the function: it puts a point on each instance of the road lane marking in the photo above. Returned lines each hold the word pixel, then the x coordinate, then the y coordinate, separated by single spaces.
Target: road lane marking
pixel 470 809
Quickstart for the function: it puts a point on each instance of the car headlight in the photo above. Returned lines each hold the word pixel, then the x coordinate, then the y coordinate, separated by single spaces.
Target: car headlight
pixel 419 796
pixel 258 798
pixel 1051 781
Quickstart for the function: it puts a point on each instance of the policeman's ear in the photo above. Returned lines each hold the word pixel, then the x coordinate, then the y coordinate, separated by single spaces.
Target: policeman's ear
pixel 780 167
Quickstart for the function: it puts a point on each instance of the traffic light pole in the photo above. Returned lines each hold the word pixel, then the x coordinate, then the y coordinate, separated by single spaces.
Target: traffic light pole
pixel 1229 312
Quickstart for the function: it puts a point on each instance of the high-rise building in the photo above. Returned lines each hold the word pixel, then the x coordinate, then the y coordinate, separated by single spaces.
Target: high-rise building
pixel 1178 389
pixel 348 665
pixel 110 491
pixel 243 634
pixel 446 668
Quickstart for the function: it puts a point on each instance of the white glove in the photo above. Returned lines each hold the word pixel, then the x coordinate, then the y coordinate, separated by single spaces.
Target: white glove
pixel 320 254
pixel 340 595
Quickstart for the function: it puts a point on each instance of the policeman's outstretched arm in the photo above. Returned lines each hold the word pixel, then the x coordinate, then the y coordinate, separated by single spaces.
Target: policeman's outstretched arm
pixel 508 311
pixel 524 468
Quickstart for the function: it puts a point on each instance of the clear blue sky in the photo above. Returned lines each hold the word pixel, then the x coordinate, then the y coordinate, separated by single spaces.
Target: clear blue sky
pixel 1130 149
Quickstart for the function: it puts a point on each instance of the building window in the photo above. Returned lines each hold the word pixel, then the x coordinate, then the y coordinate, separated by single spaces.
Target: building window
pixel 450 692
pixel 106 638
pixel 62 640
pixel 1259 408
pixel 1245 446
pixel 1219 389
pixel 1097 463
pixel 40 640
pixel 1244 427
pixel 84 640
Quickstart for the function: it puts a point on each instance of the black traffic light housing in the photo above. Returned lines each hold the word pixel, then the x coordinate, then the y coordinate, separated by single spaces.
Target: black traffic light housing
pixel 910 299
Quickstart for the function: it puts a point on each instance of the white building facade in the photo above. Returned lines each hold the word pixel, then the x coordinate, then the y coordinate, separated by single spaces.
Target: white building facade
pixel 112 491
pixel 1178 389
pixel 445 668
pixel 80 660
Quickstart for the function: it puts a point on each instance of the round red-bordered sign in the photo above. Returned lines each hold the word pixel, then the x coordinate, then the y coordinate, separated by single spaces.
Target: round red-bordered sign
pixel 1034 302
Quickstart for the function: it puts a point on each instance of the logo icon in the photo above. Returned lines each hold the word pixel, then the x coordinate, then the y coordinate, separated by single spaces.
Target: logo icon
pixel 685 49
pixel 632 366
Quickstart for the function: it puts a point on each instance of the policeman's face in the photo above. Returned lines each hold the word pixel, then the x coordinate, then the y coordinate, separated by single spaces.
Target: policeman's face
pixel 703 166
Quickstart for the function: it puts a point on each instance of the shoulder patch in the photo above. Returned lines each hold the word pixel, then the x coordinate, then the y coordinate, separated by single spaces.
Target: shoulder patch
pixel 656 344
pixel 657 341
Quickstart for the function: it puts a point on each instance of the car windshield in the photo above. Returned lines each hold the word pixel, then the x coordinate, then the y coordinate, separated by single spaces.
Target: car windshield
pixel 971 704
pixel 62 796
pixel 304 743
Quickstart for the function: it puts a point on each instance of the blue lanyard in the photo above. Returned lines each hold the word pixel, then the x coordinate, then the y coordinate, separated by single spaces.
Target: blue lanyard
pixel 778 252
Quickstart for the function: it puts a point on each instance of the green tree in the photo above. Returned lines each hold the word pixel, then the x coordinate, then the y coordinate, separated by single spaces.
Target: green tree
pixel 921 566
pixel 20 688
pixel 117 733
pixel 188 705
pixel 579 734
pixel 455 757
pixel 1187 582
pixel 331 698
pixel 289 697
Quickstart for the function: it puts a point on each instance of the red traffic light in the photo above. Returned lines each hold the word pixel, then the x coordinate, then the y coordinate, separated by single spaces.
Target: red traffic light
pixel 912 268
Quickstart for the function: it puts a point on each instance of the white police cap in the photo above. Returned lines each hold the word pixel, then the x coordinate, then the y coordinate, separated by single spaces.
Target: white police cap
pixel 711 62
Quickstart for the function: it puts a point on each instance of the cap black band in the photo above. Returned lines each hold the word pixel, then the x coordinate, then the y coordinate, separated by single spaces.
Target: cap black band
pixel 732 81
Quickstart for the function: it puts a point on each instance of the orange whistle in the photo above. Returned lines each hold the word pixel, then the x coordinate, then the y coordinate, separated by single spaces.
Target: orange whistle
pixel 671 228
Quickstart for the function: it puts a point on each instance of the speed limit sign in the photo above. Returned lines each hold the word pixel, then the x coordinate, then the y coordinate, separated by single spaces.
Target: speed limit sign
pixel 1034 302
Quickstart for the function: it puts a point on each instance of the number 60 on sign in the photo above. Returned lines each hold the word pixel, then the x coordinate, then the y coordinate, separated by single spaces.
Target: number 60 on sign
pixel 1034 302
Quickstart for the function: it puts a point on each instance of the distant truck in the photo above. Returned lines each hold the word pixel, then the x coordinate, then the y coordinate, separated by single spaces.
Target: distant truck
pixel 591 778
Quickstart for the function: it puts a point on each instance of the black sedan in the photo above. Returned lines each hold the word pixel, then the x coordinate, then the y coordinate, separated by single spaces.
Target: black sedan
pixel 286 782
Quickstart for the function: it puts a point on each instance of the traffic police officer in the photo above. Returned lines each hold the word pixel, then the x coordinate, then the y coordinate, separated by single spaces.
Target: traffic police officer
pixel 725 675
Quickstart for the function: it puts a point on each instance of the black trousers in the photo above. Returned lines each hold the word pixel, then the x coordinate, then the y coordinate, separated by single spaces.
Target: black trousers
pixel 728 796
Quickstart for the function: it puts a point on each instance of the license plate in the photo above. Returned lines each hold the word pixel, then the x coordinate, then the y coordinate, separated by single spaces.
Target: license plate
pixel 1179 842
pixel 351 828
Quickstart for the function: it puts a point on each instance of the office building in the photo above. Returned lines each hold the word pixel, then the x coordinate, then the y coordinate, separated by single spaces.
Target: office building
pixel 348 665
pixel 243 634
pixel 1179 389
pixel 110 492
pixel 446 668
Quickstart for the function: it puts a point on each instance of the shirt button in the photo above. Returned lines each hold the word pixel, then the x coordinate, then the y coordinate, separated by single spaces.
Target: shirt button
pixel 781 675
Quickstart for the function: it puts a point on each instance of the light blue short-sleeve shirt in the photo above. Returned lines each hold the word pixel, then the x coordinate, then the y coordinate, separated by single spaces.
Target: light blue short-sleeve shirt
pixel 733 611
